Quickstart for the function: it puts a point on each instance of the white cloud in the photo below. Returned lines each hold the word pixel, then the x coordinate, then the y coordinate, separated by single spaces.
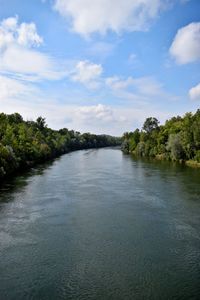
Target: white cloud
pixel 186 44
pixel 89 16
pixel 24 34
pixel 87 73
pixel 98 112
pixel 17 56
pixel 27 35
pixel 194 92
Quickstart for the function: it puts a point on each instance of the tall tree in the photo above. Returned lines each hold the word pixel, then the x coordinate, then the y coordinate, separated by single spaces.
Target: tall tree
pixel 150 124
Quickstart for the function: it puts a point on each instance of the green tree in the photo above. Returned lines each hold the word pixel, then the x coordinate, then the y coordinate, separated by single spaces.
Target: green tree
pixel 41 123
pixel 150 124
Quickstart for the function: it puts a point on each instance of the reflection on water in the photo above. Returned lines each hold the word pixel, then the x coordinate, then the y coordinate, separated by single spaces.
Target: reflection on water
pixel 97 224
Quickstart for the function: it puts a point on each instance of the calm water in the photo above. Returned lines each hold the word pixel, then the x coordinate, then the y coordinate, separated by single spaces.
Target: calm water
pixel 97 224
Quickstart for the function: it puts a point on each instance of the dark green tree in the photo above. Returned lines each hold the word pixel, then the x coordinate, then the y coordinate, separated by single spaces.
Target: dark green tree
pixel 150 124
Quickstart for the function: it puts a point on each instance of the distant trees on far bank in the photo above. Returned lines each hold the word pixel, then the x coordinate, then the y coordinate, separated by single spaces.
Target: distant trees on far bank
pixel 25 143
pixel 177 140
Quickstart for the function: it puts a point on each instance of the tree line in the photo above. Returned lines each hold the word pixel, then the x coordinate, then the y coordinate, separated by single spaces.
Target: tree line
pixel 25 143
pixel 177 140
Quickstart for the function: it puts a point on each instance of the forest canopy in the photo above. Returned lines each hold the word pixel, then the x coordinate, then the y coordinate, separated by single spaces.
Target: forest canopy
pixel 177 140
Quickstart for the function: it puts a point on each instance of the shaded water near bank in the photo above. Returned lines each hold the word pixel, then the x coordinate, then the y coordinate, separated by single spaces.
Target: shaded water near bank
pixel 98 224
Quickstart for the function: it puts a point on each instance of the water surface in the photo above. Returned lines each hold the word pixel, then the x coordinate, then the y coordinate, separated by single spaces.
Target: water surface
pixel 97 224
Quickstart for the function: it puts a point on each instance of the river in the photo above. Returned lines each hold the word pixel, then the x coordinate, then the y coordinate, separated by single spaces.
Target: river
pixel 98 224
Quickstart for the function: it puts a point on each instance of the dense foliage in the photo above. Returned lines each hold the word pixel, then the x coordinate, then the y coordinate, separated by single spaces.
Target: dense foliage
pixel 177 140
pixel 24 143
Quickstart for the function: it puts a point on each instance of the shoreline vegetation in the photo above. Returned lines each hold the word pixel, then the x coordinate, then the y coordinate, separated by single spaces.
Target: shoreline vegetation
pixel 177 140
pixel 24 144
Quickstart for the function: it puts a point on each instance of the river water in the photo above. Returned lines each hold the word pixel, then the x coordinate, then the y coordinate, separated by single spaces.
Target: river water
pixel 98 224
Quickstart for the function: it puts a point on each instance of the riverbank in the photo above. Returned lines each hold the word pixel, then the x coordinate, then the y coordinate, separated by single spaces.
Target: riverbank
pixel 189 163
pixel 177 140
pixel 161 157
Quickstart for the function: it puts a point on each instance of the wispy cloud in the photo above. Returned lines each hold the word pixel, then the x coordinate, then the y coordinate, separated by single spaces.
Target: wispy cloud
pixel 14 89
pixel 141 86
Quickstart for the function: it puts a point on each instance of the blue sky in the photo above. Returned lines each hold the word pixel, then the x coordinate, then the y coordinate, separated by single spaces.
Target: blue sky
pixel 99 65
